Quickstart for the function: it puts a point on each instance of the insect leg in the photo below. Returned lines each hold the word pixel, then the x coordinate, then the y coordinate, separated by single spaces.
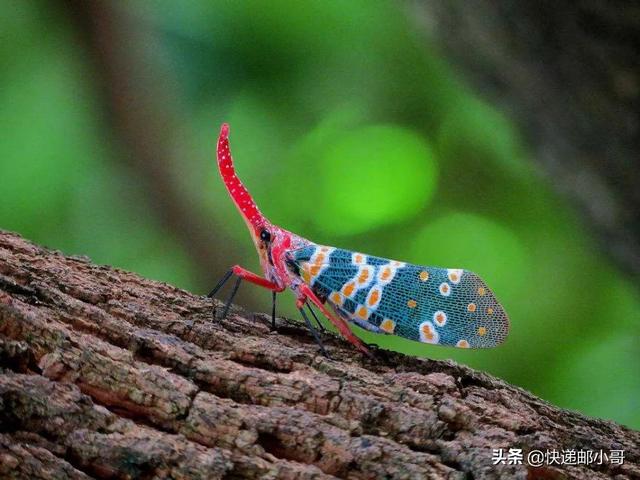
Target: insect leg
pixel 313 332
pixel 222 281
pixel 250 277
pixel 262 282
pixel 339 322
pixel 233 294
pixel 273 311
pixel 255 279
pixel 315 317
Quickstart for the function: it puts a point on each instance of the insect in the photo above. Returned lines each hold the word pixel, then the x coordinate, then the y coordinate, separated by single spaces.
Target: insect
pixel 452 307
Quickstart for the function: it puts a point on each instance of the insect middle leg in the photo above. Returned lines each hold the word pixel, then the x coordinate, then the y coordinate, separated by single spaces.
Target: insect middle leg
pixel 338 322
pixel 315 317
pixel 313 330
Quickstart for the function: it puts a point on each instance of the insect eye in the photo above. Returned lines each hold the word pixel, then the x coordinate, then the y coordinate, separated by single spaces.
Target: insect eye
pixel 265 235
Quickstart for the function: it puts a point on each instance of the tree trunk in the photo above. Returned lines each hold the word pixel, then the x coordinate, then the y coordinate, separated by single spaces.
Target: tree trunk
pixel 567 73
pixel 107 375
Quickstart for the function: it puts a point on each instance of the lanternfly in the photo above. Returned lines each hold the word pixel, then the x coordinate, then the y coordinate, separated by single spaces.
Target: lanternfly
pixel 451 307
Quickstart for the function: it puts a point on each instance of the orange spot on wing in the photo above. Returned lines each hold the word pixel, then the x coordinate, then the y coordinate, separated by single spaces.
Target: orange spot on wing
pixel 314 270
pixel 482 331
pixel 319 259
pixel 362 312
pixel 489 311
pixel 358 258
pixel 424 275
pixel 306 276
pixel 348 289
pixel 364 275
pixel 462 344
pixel 386 273
pixel 388 325
pixel 427 331
pixel 374 297
pixel 412 304
pixel 336 298
pixel 481 291
pixel 471 307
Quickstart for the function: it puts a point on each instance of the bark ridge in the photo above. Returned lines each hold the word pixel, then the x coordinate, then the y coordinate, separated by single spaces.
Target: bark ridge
pixel 104 374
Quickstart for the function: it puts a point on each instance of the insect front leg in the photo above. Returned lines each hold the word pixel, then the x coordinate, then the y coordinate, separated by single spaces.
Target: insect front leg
pixel 219 285
pixel 244 274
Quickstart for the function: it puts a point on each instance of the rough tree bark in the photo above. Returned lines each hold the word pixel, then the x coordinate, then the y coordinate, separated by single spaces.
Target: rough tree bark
pixel 105 374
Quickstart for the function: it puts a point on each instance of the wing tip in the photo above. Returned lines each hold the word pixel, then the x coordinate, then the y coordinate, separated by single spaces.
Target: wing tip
pixel 499 320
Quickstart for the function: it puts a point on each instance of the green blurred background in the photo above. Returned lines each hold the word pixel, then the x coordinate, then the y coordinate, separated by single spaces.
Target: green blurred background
pixel 347 128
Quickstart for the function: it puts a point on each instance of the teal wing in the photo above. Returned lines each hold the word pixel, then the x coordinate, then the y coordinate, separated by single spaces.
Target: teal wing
pixel 441 306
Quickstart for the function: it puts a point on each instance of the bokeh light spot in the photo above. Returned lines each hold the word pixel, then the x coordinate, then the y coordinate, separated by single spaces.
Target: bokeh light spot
pixel 374 176
pixel 472 242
